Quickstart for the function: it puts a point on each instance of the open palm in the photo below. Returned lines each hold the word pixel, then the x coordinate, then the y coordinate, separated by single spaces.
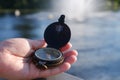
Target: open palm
pixel 15 55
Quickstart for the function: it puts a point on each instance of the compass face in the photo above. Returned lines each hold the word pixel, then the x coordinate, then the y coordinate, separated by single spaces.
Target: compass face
pixel 48 54
pixel 45 58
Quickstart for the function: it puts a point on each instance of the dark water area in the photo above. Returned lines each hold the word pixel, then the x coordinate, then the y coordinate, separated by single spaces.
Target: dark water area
pixel 96 39
pixel 25 27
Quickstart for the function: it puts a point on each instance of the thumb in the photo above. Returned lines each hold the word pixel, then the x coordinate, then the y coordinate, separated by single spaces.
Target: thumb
pixel 36 44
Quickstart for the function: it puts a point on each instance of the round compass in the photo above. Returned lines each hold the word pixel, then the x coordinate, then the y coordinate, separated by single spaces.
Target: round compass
pixel 56 36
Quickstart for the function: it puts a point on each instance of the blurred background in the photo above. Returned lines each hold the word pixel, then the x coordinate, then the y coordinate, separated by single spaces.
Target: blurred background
pixel 94 24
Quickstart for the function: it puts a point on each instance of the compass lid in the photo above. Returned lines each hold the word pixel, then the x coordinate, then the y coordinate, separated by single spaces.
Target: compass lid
pixel 57 34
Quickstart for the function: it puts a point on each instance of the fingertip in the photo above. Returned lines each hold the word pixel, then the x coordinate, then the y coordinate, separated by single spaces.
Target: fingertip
pixel 74 59
pixel 71 59
pixel 65 66
pixel 75 52
pixel 66 47
pixel 69 44
pixel 71 52
pixel 42 43
pixel 36 44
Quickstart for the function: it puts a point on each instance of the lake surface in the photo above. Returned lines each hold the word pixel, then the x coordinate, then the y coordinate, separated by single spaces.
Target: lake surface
pixel 96 38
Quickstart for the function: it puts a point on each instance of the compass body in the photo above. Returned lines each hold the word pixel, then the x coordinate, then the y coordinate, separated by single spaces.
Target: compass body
pixel 56 36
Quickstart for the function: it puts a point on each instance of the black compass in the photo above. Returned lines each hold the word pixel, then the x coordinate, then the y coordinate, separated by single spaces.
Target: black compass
pixel 56 36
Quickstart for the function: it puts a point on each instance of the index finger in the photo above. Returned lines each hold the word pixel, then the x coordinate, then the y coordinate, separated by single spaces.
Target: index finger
pixel 66 47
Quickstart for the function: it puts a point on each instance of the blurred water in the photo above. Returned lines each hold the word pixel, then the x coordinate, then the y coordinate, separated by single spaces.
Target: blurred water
pixel 23 26
pixel 96 39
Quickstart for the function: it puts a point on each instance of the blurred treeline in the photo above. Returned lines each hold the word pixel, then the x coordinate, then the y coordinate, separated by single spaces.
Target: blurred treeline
pixel 113 4
pixel 24 5
pixel 28 6
pixel 40 4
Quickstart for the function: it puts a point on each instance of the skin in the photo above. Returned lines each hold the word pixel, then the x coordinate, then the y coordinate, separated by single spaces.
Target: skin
pixel 15 55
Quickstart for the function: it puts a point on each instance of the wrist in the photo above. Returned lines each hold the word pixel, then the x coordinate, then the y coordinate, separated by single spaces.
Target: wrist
pixel 2 65
pixel 1 61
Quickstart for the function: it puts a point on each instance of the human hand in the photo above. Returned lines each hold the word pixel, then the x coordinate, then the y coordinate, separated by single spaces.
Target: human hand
pixel 14 56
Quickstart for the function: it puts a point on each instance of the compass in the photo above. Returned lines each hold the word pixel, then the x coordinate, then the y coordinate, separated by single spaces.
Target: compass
pixel 56 36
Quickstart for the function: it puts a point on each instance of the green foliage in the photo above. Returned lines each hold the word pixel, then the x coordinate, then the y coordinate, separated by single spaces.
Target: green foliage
pixel 24 4
pixel 114 4
pixel 27 6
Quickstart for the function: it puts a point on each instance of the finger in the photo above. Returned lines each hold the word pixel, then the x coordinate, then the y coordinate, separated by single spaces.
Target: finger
pixel 36 44
pixel 37 73
pixel 71 59
pixel 66 47
pixel 71 52
pixel 71 56
pixel 50 72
